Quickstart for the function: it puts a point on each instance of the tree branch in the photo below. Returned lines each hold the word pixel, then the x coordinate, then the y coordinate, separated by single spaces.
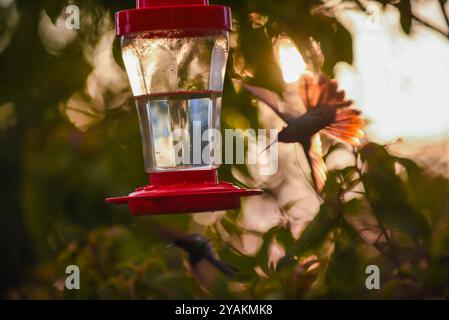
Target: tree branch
pixel 417 18
pixel 430 26
pixel 443 10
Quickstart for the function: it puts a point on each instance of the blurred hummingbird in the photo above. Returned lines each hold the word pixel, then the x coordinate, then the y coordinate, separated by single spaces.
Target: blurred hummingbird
pixel 326 110
pixel 200 248
pixel 200 251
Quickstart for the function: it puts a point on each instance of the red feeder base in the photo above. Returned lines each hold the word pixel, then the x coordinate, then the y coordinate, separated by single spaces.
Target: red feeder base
pixel 184 192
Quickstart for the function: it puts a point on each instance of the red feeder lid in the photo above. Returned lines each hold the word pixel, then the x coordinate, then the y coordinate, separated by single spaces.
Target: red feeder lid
pixel 173 14
pixel 184 192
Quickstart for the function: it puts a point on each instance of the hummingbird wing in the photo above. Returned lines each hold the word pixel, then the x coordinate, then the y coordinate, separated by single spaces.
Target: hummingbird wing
pixel 223 266
pixel 317 91
pixel 272 100
pixel 212 257
pixel 208 254
pixel 347 126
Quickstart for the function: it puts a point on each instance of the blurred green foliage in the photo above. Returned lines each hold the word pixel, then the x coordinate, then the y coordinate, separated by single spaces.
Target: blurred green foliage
pixel 55 178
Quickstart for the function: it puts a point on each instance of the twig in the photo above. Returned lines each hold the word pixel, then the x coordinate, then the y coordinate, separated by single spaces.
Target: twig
pixel 443 10
pixel 381 226
pixel 369 228
pixel 428 25
pixel 376 245
pixel 416 18
pixel 84 112
pixel 385 232
pixel 379 236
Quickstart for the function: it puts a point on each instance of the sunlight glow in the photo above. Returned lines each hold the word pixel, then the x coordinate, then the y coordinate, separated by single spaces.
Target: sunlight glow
pixel 399 81
pixel 134 71
pixel 290 60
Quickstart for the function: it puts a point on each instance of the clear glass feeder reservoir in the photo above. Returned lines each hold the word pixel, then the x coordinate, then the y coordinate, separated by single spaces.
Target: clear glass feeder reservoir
pixel 175 54
pixel 177 79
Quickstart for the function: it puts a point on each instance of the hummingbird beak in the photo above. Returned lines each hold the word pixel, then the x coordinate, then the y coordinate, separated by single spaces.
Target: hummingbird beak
pixel 267 147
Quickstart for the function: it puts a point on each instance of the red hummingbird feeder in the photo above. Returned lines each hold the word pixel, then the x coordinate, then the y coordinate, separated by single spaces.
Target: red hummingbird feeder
pixel 175 54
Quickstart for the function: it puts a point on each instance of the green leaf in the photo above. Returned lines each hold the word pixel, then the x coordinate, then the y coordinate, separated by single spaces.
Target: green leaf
pixel 344 273
pixel 405 8
pixel 316 231
pixel 263 254
pixel 388 196
pixel 230 226
pixel 285 238
pixel 257 50
pixel 54 8
pixel 353 207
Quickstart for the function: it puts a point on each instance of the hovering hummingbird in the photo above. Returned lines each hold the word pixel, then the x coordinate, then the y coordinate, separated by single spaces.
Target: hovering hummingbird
pixel 200 248
pixel 200 251
pixel 326 110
